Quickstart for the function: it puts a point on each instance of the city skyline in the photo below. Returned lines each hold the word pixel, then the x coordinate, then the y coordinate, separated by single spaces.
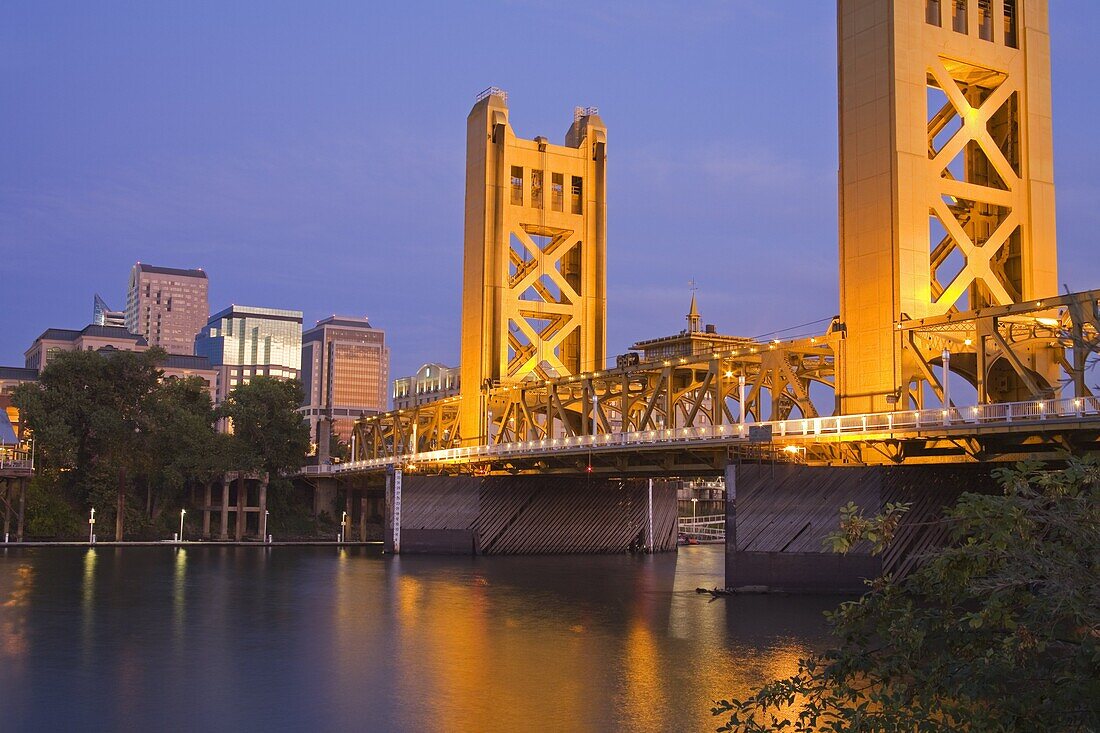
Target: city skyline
pixel 293 185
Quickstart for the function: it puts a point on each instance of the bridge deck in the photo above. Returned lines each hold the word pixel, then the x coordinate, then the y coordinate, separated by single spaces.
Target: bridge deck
pixel 820 439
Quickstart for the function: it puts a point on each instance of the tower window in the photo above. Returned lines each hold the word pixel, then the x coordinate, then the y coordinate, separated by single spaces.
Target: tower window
pixel 958 17
pixel 577 198
pixel 536 189
pixel 1010 24
pixel 557 191
pixel 517 185
pixel 985 20
pixel 932 13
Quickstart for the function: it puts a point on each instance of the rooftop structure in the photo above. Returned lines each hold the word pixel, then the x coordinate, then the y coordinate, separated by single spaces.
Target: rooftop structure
pixel 102 315
pixel 695 339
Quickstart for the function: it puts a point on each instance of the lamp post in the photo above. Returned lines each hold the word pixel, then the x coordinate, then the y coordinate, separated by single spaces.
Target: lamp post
pixel 266 537
pixel 91 527
pixel 595 414
pixel 182 513
pixel 694 501
pixel 343 523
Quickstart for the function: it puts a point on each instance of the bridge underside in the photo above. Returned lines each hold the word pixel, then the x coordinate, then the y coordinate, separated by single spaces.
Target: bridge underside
pixel 498 515
pixel 778 516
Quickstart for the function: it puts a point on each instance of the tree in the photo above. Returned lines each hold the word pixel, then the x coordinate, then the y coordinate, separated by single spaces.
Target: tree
pixel 998 631
pixel 105 422
pixel 268 431
pixel 88 412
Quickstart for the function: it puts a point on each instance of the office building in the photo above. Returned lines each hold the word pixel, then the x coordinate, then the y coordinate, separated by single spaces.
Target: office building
pixel 167 306
pixel 242 342
pixel 107 339
pixel 345 371
pixel 430 383
pixel 102 315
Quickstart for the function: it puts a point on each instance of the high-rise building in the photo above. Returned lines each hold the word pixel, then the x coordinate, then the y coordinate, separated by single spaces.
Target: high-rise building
pixel 346 371
pixel 245 341
pixel 167 306
pixel 102 315
pixel 430 383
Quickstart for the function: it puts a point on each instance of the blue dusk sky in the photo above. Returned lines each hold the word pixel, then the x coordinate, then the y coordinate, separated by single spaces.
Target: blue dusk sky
pixel 310 155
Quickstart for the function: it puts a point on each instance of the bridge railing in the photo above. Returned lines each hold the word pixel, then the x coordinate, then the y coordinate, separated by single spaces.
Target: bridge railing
pixel 817 428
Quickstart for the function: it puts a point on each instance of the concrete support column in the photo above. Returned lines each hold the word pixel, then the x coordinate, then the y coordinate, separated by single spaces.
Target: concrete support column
pixel 392 540
pixel 242 494
pixel 7 507
pixel 22 510
pixel 362 515
pixel 349 504
pixel 263 509
pixel 206 511
pixel 224 534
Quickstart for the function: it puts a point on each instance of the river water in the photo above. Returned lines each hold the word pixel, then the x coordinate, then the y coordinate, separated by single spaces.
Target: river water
pixel 324 639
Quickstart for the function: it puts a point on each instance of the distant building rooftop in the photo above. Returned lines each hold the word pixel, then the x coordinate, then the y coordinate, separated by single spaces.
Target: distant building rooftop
pixel 183 361
pixel 72 334
pixel 22 373
pixel 275 314
pixel 170 270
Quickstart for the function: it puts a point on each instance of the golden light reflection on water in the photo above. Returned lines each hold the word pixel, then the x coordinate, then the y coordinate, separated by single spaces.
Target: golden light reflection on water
pixel 643 684
pixel 87 601
pixel 13 613
pixel 179 593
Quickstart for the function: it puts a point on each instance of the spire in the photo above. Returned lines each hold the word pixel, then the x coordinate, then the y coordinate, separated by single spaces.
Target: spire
pixel 693 318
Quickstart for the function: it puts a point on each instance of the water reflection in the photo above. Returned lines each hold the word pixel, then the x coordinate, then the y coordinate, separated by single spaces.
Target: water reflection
pixel 179 593
pixel 317 639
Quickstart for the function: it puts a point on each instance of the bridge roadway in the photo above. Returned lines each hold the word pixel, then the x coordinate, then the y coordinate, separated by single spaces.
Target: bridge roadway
pixel 1001 431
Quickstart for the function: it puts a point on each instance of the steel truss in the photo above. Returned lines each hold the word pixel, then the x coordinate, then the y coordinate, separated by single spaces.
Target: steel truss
pixel 996 349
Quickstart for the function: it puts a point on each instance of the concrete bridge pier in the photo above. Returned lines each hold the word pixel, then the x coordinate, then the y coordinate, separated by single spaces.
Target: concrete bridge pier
pixel 779 514
pixel 528 514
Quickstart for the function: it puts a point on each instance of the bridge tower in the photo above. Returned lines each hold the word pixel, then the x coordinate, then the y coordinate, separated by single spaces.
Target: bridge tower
pixel 534 298
pixel 946 180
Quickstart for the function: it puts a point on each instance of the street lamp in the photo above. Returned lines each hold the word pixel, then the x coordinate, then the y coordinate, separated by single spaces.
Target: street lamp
pixel 694 501
pixel 343 524
pixel 595 414
pixel 91 527
pixel 182 513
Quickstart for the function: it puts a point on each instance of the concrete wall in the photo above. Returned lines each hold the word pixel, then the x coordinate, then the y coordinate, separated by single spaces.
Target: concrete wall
pixel 778 516
pixel 502 515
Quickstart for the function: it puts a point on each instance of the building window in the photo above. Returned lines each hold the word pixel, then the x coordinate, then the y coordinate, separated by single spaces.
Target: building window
pixel 557 191
pixel 985 20
pixel 1010 24
pixel 932 13
pixel 517 185
pixel 536 189
pixel 958 18
pixel 578 195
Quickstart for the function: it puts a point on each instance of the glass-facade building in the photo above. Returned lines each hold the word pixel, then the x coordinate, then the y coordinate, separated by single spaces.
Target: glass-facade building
pixel 247 341
pixel 345 371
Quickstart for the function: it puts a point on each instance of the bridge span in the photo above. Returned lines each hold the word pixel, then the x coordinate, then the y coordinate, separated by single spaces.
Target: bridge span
pixel 951 350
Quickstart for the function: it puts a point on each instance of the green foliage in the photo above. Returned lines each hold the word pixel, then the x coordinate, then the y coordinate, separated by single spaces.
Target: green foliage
pixel 999 631
pixel 48 514
pixel 855 528
pixel 268 432
pixel 108 423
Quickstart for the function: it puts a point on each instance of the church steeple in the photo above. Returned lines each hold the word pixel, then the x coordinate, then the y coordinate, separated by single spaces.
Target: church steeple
pixel 693 318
